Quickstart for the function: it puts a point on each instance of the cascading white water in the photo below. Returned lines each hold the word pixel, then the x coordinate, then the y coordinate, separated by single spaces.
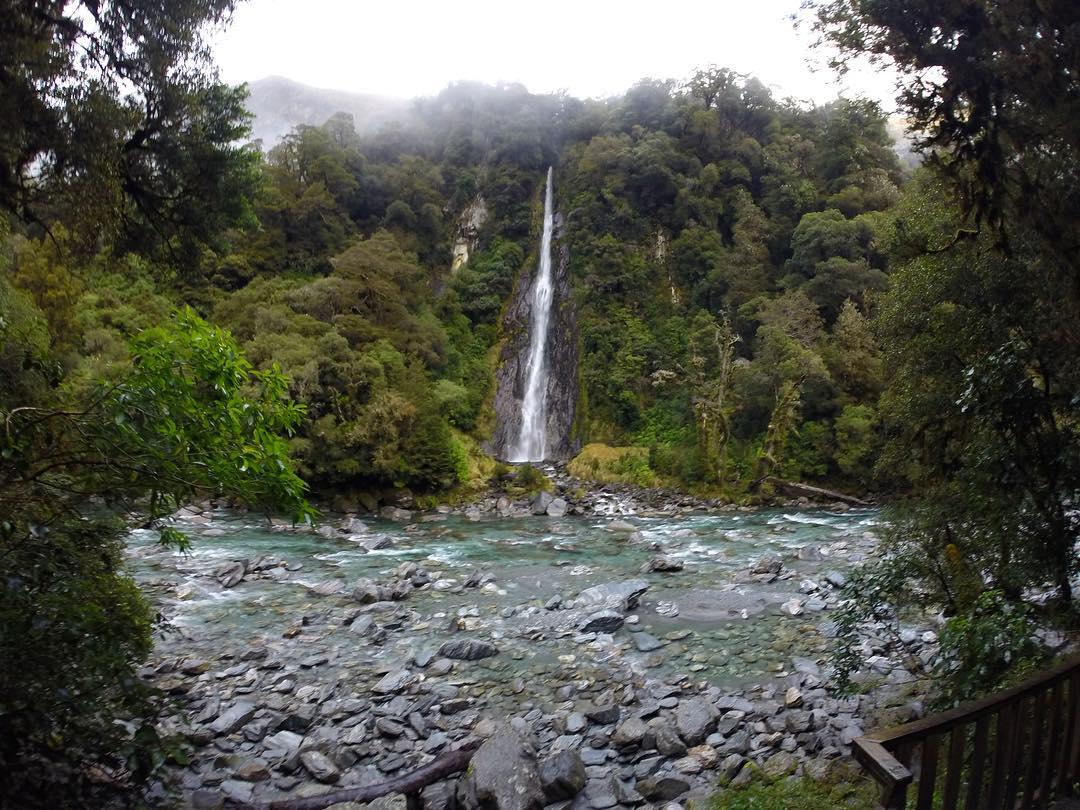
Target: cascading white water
pixel 532 441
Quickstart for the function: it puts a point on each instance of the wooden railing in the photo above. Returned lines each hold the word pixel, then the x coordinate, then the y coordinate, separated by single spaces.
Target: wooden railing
pixel 1012 750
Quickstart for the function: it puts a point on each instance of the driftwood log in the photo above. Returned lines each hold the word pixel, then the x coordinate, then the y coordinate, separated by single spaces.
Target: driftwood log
pixel 796 489
pixel 444 765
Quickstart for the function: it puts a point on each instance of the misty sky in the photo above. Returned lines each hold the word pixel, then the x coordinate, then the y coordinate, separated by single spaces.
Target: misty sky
pixel 587 47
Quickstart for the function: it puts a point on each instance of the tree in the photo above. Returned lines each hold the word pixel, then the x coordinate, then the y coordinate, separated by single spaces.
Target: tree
pixel 990 93
pixel 112 119
pixel 187 418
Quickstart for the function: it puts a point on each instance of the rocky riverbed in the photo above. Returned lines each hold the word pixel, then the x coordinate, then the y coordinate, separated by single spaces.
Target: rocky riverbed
pixel 635 659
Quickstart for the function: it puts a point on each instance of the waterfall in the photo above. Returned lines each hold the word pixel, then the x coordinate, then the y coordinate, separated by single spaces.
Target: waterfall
pixel 532 440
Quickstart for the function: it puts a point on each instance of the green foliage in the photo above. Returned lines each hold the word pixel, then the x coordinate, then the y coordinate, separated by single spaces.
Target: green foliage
pixel 797 794
pixel 113 122
pixel 186 417
pixel 984 645
pixel 530 479
pixel 628 465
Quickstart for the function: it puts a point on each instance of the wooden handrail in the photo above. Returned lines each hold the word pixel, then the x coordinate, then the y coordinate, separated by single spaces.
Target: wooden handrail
pixel 969 712
pixel 1034 749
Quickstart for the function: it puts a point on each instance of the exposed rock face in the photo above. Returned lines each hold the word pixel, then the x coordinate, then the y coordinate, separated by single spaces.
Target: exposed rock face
pixel 468 231
pixel 562 360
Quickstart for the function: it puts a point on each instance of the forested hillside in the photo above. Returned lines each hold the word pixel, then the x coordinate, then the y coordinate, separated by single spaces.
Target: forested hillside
pixel 726 248
pixel 751 289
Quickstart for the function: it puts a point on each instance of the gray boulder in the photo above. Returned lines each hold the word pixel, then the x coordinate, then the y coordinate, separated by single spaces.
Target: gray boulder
pixel 604 621
pixel 614 595
pixel 557 508
pixel 231 574
pixel 234 719
pixel 662 788
pixel 646 643
pixel 695 719
pixel 393 682
pixel 467 649
pixel 320 766
pixel 541 502
pixel 562 776
pixel 504 774
pixel 768 565
pixel 662 565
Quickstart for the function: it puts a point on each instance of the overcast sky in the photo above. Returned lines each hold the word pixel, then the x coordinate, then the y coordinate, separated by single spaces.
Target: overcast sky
pixel 588 47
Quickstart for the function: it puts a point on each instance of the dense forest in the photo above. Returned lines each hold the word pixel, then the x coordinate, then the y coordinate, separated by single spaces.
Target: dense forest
pixel 726 249
pixel 759 290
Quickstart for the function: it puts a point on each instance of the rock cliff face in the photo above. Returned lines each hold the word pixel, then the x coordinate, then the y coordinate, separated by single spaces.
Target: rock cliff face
pixel 562 355
pixel 468 231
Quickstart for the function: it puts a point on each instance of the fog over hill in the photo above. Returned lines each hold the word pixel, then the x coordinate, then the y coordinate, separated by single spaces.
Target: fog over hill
pixel 279 104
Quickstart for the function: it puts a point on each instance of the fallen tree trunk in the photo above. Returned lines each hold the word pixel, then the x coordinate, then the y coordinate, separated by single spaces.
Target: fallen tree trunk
pixel 796 489
pixel 444 765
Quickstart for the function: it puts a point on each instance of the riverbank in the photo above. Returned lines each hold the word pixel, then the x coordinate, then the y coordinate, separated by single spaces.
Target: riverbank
pixel 661 653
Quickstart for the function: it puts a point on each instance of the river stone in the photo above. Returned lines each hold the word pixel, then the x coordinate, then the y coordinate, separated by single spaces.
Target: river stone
pixel 730 766
pixel 394 513
pixel 793 698
pixel 604 621
pixel 328 587
pixel 620 525
pixel 623 595
pixel 792 607
pixel 320 766
pixel 662 788
pixel 770 564
pixel 695 720
pixel 231 574
pixel 646 643
pixel 630 733
pixel 811 554
pixel 602 715
pixel 575 723
pixel 504 773
pixel 394 681
pixel 541 502
pixel 662 565
pixel 779 764
pixel 668 742
pixel 234 719
pixel 366 591
pixel 836 579
pixel 562 776
pixel 253 770
pixel 557 508
pixel 467 649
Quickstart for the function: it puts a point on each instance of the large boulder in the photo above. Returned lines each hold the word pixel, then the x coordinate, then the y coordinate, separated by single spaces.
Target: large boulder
pixel 541 502
pixel 695 719
pixel 504 773
pixel 557 508
pixel 467 649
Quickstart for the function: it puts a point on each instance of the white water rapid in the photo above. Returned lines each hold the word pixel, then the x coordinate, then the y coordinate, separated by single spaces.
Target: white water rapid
pixel 532 441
